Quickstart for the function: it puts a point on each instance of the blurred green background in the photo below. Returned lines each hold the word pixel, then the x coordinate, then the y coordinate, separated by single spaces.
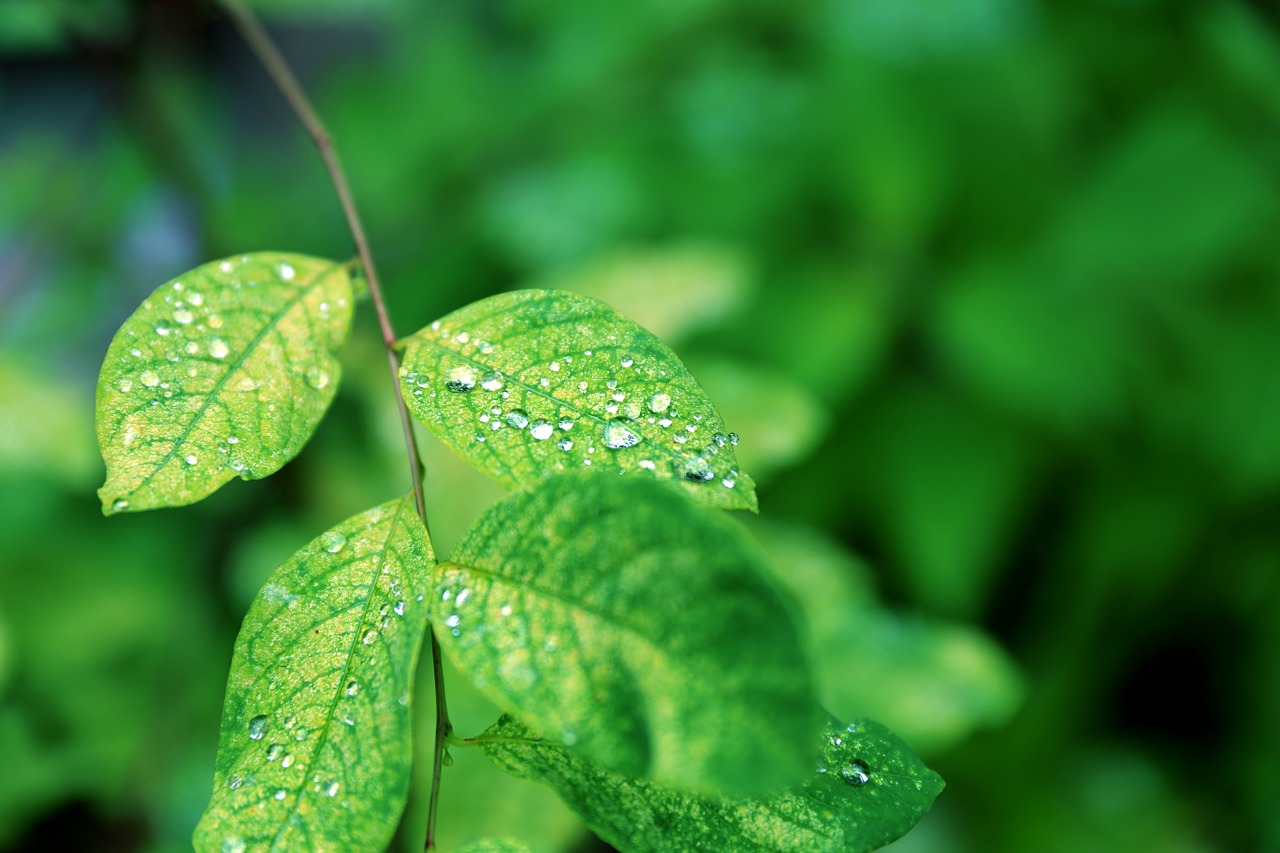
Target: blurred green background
pixel 990 289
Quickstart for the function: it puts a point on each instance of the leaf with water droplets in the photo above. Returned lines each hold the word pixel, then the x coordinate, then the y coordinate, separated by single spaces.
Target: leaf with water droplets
pixel 315 745
pixel 634 624
pixel 223 372
pixel 536 382
pixel 868 789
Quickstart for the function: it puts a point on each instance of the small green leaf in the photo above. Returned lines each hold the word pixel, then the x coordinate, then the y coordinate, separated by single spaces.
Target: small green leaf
pixel 869 789
pixel 315 748
pixel 535 382
pixel 622 617
pixel 223 371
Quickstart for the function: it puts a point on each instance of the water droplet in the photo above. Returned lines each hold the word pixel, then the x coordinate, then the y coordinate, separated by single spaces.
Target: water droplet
pixel 192 348
pixel 332 541
pixel 627 361
pixel 163 328
pixel 247 384
pixel 463 337
pixel 331 790
pixel 399 608
pixel 183 316
pixel 273 752
pixel 555 367
pixel 233 845
pixel 258 727
pixel 698 470
pixel 453 620
pixel 135 352
pixel 195 299
pixel 647 464
pixel 235 782
pixel 566 424
pixel 149 378
pixel 617 436
pixel 492 382
pixel 517 419
pixel 231 439
pixel 191 459
pixel 733 438
pixel 287 761
pixel 281 794
pixel 461 379
pixel 119 505
pixel 286 271
pixel 855 773
pixel 369 636
pixel 541 431
pixel 565 444
pixel 317 378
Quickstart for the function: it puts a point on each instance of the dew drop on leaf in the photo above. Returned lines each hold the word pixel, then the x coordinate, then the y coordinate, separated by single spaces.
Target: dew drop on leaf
pixel 120 505
pixel 517 419
pixel 855 773
pixel 273 752
pixel 258 727
pixel 218 348
pixel 149 378
pixel 541 431
pixel 317 378
pixel 617 436
pixel 281 794
pixel 492 382
pixel 353 687
pixel 565 444
pixel 333 541
pixel 461 379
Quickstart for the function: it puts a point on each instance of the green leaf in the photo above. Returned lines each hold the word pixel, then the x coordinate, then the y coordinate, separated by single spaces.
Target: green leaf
pixel 630 622
pixel 535 382
pixel 225 370
pixel 869 788
pixel 315 748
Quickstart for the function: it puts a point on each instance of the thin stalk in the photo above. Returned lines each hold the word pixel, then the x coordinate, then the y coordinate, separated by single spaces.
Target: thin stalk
pixel 282 75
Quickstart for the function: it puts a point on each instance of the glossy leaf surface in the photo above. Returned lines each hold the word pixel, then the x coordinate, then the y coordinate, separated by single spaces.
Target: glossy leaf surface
pixel 537 382
pixel 868 789
pixel 224 371
pixel 623 618
pixel 315 748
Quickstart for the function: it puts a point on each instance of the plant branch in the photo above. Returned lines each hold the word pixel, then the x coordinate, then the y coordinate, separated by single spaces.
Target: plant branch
pixel 281 74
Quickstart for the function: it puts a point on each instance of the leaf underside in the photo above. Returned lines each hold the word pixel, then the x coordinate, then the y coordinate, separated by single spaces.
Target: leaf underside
pixel 315 748
pixel 868 789
pixel 223 372
pixel 616 614
pixel 535 382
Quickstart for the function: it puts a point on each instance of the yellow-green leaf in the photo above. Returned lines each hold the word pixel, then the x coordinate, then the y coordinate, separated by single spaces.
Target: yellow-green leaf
pixel 315 750
pixel 621 617
pixel 223 371
pixel 868 788
pixel 537 382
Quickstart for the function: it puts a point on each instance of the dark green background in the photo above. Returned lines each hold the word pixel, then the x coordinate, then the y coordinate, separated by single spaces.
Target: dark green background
pixel 991 286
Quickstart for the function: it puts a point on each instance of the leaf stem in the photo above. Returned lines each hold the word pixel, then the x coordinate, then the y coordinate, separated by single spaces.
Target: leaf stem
pixel 281 74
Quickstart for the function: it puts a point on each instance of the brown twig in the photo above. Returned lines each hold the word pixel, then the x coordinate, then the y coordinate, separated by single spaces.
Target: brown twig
pixel 272 60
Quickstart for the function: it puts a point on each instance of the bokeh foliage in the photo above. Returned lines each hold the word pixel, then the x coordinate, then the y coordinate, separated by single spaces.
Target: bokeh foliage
pixel 988 287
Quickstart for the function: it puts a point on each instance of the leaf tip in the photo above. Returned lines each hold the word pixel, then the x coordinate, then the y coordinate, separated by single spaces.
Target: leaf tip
pixel 112 503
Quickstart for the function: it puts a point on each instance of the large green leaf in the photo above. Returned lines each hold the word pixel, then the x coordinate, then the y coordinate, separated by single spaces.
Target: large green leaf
pixel 535 382
pixel 868 789
pixel 315 748
pixel 223 371
pixel 630 622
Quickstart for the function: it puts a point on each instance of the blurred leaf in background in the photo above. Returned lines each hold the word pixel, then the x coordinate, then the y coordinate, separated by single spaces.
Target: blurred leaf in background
pixel 988 289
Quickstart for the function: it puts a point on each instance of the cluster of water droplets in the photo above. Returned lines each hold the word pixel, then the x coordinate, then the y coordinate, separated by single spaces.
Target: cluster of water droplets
pixel 673 444
pixel 188 335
